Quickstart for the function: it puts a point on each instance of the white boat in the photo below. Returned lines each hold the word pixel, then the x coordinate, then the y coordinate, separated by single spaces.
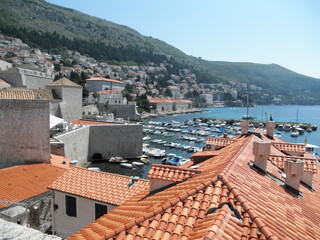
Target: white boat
pixel 294 133
pixel 137 164
pixel 126 165
pixel 146 138
pixel 94 168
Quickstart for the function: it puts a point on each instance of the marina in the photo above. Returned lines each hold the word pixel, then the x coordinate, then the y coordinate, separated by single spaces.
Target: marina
pixel 173 139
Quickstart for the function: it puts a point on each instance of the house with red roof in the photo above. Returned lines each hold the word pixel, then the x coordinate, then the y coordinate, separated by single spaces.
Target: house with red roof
pixel 97 84
pixel 249 189
pixel 81 196
pixel 23 189
pixel 169 105
pixel 113 96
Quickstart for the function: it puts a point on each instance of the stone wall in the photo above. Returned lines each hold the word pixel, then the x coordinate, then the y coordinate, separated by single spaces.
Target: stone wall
pixel 70 106
pixel 24 132
pixel 26 78
pixel 105 140
pixel 76 144
pixel 116 140
pixel 127 111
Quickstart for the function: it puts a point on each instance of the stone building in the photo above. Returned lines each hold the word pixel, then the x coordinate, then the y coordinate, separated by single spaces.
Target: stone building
pixel 113 96
pixel 68 101
pixel 168 105
pixel 100 84
pixel 25 76
pixel 24 131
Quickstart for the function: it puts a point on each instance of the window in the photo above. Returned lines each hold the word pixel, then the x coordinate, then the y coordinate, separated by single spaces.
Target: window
pixel 101 210
pixel 71 206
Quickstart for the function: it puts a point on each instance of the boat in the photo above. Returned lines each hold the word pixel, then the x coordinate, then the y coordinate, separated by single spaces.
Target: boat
pixel 94 168
pixel 146 138
pixel 294 133
pixel 126 165
pixel 137 164
pixel 145 160
pixel 117 160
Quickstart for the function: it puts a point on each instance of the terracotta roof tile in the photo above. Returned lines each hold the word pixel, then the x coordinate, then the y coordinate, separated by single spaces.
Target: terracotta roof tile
pixel 60 161
pixel 167 100
pixel 170 173
pixel 219 142
pixel 23 93
pixel 104 79
pixel 229 199
pixel 100 186
pixel 290 147
pixel 310 164
pixel 88 122
pixel 22 182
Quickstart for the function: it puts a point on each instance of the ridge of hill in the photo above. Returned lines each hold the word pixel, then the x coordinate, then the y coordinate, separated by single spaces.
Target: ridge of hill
pixel 55 29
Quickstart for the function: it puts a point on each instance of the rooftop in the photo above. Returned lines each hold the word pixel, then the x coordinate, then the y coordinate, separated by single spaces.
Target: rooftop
pixel 24 93
pixel 167 100
pixel 170 173
pixel 229 199
pixel 64 82
pixel 104 79
pixel 23 182
pixel 88 122
pixel 100 186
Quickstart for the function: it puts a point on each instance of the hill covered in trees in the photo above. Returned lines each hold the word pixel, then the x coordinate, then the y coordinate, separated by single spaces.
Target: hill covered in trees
pixel 56 29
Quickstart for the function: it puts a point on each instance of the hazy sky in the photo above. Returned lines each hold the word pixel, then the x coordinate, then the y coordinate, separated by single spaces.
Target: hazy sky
pixel 285 32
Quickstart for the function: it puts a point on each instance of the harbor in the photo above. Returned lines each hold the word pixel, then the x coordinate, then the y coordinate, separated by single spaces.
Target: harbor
pixel 173 139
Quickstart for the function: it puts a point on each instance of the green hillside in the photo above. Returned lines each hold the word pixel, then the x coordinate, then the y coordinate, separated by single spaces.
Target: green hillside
pixel 55 29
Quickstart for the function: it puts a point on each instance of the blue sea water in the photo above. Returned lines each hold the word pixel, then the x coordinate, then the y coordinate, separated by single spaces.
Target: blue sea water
pixel 302 114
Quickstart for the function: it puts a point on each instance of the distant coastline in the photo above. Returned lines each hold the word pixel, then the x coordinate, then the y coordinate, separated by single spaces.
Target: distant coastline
pixel 155 115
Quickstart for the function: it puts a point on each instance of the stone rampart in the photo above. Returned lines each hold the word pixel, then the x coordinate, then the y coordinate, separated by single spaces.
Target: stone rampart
pixel 24 132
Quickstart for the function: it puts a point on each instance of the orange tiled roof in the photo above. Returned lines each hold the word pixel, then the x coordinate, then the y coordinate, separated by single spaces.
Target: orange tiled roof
pixel 100 186
pixel 229 199
pixel 310 164
pixel 168 100
pixel 290 147
pixel 60 161
pixel 22 182
pixel 23 93
pixel 87 122
pixel 4 82
pixel 104 79
pixel 219 142
pixel 170 173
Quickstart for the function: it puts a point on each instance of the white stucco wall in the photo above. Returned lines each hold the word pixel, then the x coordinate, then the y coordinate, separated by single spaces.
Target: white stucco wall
pixel 64 225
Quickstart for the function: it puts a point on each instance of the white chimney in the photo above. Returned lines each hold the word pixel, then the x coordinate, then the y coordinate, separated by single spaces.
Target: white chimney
pixel 306 178
pixel 293 171
pixel 270 126
pixel 261 151
pixel 244 126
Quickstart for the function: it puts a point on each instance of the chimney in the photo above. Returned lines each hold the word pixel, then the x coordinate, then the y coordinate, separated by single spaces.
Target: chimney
pixel 270 126
pixel 293 171
pixel 244 126
pixel 261 151
pixel 306 178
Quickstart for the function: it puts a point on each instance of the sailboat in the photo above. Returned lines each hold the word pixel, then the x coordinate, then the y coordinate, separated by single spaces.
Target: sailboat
pixel 247 117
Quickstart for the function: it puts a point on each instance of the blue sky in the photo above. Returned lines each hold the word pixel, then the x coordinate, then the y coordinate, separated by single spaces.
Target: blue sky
pixel 285 32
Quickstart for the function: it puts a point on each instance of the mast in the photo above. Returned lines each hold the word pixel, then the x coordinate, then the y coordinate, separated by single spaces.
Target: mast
pixel 248 106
